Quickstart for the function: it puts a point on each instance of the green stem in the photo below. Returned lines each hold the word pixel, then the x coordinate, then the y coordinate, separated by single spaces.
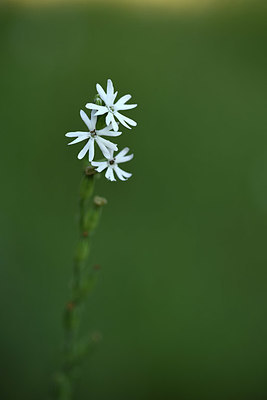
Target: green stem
pixel 82 283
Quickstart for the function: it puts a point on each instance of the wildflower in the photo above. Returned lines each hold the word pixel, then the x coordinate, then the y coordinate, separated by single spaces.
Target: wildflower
pixel 112 165
pixel 94 135
pixel 112 109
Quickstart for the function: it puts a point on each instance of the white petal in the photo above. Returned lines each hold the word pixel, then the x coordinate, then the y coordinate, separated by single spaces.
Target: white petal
pixel 107 174
pixel 78 139
pixel 98 163
pixel 121 159
pixel 123 152
pixel 86 120
pixel 129 120
pixel 92 106
pixel 124 120
pixel 112 177
pixel 110 88
pixel 120 171
pixel 91 149
pixel 115 126
pixel 113 98
pixel 101 167
pixel 101 92
pixel 126 106
pixel 108 144
pixel 93 119
pixel 103 148
pixel 109 118
pixel 110 174
pixel 107 131
pixel 84 150
pixel 102 143
pixel 101 110
pixel 76 134
pixel 123 100
pixel 121 119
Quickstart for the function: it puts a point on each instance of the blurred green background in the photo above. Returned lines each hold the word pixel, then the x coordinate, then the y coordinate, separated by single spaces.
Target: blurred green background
pixel 181 298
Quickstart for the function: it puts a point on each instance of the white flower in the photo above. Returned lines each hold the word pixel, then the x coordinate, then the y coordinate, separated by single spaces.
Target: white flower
pixel 94 136
pixel 112 165
pixel 112 109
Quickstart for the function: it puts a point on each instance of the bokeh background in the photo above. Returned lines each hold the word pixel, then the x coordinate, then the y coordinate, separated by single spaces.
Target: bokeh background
pixel 181 300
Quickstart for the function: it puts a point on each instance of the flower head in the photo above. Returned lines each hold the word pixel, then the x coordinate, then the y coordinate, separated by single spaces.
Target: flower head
pixel 111 164
pixel 111 108
pixel 93 136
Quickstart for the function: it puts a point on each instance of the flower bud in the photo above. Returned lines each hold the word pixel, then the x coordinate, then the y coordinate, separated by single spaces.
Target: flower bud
pixel 98 101
pixel 100 201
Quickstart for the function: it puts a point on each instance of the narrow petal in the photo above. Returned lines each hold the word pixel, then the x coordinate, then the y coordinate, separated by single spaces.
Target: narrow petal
pixel 123 100
pixel 101 110
pixel 121 157
pixel 126 106
pixel 107 174
pixel 110 93
pixel 93 119
pixel 123 152
pixel 115 126
pixel 124 159
pixel 124 120
pixel 101 167
pixel 78 139
pixel 107 143
pixel 122 172
pixel 121 119
pixel 101 92
pixel 109 118
pixel 84 150
pixel 91 149
pixel 110 88
pixel 112 177
pixel 110 174
pixel 92 106
pixel 119 174
pixel 114 97
pixel 107 131
pixel 86 120
pixel 129 120
pixel 103 147
pixel 98 163
pixel 76 134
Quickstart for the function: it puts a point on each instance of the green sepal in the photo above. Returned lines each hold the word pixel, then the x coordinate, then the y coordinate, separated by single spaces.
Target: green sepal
pixel 91 219
pixel 86 286
pixel 87 187
pixel 71 317
pixel 84 346
pixel 82 250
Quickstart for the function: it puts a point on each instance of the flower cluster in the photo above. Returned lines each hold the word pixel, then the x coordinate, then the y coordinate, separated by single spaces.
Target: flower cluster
pixel 110 110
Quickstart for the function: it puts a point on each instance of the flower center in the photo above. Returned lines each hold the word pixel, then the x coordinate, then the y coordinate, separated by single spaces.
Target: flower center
pixel 111 109
pixel 111 162
pixel 93 133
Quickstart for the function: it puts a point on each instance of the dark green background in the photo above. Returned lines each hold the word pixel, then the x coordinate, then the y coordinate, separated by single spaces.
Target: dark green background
pixel 181 299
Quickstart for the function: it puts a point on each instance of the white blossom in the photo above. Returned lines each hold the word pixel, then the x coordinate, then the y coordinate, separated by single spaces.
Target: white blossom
pixel 93 136
pixel 111 108
pixel 111 164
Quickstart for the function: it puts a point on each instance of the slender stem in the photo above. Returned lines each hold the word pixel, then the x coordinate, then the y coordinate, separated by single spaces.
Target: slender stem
pixel 82 283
